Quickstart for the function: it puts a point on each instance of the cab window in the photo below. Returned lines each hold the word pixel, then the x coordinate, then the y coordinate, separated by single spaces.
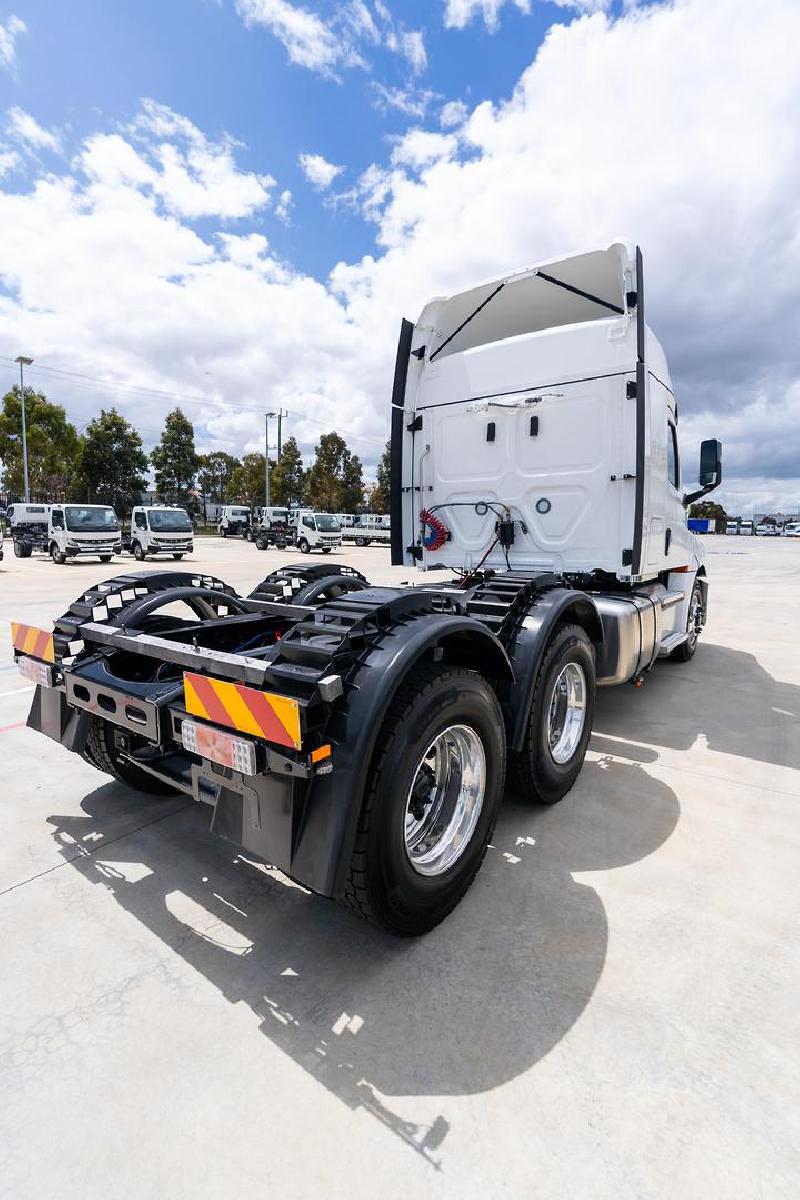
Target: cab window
pixel 141 521
pixel 673 461
pixel 58 520
pixel 308 522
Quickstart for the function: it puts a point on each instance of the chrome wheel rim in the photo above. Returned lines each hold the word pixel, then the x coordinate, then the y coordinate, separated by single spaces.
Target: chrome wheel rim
pixel 566 715
pixel 445 800
pixel 692 628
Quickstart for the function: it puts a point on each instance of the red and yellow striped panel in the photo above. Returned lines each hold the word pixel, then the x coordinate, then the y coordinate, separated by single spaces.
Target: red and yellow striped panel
pixel 261 714
pixel 35 642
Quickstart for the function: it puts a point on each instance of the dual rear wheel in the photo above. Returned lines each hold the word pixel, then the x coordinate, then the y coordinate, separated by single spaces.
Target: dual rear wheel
pixel 437 778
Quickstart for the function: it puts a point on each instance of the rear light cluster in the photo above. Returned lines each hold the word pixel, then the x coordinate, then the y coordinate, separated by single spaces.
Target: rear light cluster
pixel 36 672
pixel 220 747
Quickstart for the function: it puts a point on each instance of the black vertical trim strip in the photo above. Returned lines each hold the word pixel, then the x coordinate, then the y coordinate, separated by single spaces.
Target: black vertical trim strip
pixel 641 415
pixel 396 445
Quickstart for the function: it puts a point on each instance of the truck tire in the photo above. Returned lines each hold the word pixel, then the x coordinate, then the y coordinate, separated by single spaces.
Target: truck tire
pixel 303 546
pixel 137 552
pixel 22 549
pixel 101 753
pixel 430 803
pixel 104 558
pixel 326 549
pixel 261 542
pixel 58 557
pixel 360 541
pixel 177 557
pixel 686 651
pixel 560 724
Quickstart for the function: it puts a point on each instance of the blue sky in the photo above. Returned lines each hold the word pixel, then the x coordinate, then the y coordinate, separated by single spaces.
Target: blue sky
pixel 87 64
pixel 165 238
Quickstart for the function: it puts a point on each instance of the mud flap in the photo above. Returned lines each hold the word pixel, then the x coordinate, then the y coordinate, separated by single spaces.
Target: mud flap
pixel 256 813
pixel 51 715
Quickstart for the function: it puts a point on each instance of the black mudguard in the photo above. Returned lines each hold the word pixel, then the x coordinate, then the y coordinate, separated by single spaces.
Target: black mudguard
pixel 333 804
pixel 528 648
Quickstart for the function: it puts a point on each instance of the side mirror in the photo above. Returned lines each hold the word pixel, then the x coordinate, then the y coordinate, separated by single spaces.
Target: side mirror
pixel 710 463
pixel 710 475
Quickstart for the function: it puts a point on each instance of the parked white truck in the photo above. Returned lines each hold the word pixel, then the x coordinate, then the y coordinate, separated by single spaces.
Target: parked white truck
pixel 366 529
pixel 234 520
pixel 65 531
pixel 158 529
pixel 357 737
pixel 315 530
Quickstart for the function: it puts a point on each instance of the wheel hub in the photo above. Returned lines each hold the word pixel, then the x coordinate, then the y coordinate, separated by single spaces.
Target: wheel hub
pixel 445 800
pixel 566 716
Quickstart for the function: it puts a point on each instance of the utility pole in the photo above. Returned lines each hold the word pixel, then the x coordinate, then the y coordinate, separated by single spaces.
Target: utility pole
pixel 266 456
pixel 23 360
pixel 280 423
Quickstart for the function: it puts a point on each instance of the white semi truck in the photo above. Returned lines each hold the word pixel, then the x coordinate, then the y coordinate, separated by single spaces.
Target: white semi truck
pixel 160 529
pixel 359 737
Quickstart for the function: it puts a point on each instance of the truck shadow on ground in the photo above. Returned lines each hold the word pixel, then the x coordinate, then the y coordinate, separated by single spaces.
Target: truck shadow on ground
pixel 724 695
pixel 375 1019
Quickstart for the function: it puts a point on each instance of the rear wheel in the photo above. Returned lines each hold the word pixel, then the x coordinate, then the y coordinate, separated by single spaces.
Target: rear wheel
pixel 360 541
pixel 560 724
pixel 431 801
pixel 101 752
pixel 685 652
pixel 261 542
pixel 22 549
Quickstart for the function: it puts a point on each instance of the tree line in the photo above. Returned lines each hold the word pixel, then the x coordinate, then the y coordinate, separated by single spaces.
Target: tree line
pixel 107 464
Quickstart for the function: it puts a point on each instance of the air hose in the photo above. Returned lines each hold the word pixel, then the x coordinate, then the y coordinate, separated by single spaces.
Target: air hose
pixel 434 532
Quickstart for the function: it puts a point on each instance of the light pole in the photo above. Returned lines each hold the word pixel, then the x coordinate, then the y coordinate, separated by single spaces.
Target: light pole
pixel 24 361
pixel 266 458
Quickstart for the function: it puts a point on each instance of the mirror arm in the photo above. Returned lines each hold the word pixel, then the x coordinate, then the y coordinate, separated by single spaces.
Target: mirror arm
pixel 690 497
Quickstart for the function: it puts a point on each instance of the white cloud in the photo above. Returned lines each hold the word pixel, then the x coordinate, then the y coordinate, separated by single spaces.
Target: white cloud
pixel 328 46
pixel 8 160
pixel 453 113
pixel 8 39
pixel 671 151
pixel 318 170
pixel 459 13
pixel 420 148
pixel 309 41
pixel 411 101
pixel 283 209
pixel 22 127
pixel 411 45
pixel 193 176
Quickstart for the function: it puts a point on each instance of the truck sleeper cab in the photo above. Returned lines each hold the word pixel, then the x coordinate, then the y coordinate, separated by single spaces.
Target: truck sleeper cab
pixel 359 737
pixel 160 529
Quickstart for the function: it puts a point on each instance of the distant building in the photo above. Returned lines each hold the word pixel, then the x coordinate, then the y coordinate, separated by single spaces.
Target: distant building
pixel 780 518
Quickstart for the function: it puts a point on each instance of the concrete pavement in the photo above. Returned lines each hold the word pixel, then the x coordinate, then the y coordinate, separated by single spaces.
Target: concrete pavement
pixel 611 1012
